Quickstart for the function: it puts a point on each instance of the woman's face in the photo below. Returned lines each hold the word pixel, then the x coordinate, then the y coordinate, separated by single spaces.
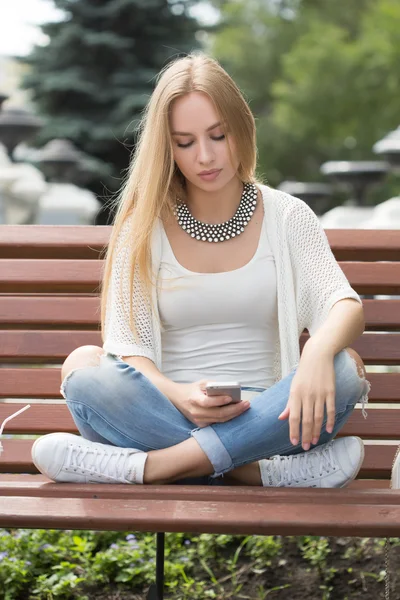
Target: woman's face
pixel 200 143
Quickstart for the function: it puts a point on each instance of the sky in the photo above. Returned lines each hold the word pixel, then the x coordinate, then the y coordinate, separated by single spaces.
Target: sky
pixel 19 20
pixel 18 24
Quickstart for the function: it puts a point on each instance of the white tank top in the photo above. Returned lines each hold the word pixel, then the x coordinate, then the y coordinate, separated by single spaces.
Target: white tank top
pixel 219 326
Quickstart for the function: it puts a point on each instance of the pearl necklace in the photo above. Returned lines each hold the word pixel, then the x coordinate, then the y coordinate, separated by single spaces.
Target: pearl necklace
pixel 220 232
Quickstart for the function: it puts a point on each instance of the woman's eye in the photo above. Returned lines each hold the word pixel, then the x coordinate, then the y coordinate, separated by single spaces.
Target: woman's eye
pixel 215 139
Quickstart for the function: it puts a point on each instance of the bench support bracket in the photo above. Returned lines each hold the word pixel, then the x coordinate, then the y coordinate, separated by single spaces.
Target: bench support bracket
pixel 156 592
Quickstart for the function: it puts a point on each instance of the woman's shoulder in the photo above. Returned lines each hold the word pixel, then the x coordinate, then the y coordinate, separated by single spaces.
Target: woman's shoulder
pixel 279 199
pixel 126 226
pixel 282 203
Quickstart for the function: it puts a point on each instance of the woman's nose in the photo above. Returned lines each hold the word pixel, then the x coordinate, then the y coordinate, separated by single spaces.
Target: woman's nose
pixel 206 154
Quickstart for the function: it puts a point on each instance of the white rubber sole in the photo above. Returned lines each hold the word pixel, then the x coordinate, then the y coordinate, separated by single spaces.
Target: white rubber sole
pixel 359 463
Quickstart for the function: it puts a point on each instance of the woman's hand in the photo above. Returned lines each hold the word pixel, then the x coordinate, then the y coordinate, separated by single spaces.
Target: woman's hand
pixel 313 388
pixel 203 410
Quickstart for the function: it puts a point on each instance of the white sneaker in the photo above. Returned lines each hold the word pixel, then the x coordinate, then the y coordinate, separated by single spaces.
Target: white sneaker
pixel 395 483
pixel 69 458
pixel 330 465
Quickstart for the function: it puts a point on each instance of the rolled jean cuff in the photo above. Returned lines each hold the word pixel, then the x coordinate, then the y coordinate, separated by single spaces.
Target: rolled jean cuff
pixel 214 449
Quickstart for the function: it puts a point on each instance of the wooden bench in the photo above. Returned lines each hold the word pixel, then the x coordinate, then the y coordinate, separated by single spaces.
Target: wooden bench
pixel 49 283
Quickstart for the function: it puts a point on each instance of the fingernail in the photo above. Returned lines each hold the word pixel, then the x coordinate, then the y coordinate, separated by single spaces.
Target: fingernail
pixel 306 446
pixel 315 441
pixel 246 404
pixel 294 441
pixel 329 429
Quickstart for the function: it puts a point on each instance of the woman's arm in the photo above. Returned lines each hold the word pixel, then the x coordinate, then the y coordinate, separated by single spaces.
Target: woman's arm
pixel 344 324
pixel 313 386
pixel 169 388
pixel 319 281
pixel 189 398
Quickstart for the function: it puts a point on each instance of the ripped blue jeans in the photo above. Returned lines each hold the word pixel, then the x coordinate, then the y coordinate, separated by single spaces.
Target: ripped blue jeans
pixel 113 403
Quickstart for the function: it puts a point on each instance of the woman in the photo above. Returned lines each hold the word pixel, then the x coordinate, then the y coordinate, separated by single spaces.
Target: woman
pixel 211 275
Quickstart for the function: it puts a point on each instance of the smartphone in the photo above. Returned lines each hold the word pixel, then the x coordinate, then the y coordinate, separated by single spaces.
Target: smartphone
pixel 225 388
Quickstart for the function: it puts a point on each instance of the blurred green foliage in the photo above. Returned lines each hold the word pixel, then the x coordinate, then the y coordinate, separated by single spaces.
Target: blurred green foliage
pixel 80 565
pixel 322 78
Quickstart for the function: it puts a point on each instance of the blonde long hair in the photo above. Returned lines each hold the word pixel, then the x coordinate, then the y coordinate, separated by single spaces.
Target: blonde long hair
pixel 154 182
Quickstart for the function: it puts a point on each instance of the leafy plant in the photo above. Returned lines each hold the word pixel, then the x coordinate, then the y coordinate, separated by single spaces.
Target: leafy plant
pixel 74 565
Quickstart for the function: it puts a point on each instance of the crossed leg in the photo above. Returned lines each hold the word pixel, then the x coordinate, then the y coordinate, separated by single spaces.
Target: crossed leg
pixel 165 465
pixel 185 459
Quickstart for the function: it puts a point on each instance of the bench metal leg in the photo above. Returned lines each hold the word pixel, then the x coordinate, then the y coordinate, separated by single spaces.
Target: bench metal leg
pixel 156 592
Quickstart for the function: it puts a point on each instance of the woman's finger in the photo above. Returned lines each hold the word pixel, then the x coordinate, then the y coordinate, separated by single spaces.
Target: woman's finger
pixel 294 419
pixel 307 422
pixel 331 411
pixel 214 401
pixel 226 413
pixel 220 414
pixel 319 408
pixel 285 413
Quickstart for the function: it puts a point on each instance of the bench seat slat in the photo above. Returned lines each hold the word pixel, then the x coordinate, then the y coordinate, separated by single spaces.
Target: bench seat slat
pixel 255 517
pixel 84 276
pixel 17 458
pixel 45 382
pixel 54 346
pixel 39 485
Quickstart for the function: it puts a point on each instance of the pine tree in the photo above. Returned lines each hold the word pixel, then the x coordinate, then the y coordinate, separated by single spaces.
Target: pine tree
pixel 97 72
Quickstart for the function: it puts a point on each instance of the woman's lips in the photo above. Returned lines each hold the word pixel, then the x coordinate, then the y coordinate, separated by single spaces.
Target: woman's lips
pixel 210 176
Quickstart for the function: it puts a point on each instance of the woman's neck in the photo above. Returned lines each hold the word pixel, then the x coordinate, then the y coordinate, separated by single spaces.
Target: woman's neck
pixel 214 207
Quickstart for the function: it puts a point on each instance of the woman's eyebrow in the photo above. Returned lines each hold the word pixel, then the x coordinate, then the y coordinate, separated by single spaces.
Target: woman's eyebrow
pixel 185 133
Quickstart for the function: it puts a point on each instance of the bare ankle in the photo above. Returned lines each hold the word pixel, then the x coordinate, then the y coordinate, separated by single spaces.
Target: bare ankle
pixel 245 475
pixel 171 464
pixel 152 473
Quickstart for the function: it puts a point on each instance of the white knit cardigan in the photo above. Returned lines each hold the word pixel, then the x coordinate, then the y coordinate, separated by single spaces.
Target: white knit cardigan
pixel 309 283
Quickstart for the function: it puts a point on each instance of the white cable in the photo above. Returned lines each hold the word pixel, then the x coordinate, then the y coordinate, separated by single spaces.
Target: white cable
pixel 9 419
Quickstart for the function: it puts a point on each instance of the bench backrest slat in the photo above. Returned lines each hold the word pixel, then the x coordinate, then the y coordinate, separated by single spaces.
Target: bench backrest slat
pixel 44 383
pixel 84 312
pixel 377 463
pixel 52 311
pixel 57 241
pixel 84 276
pixel 53 241
pixel 384 424
pixel 54 346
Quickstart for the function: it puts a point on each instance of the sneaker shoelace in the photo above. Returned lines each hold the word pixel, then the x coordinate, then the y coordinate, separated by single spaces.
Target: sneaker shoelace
pixel 110 463
pixel 302 467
